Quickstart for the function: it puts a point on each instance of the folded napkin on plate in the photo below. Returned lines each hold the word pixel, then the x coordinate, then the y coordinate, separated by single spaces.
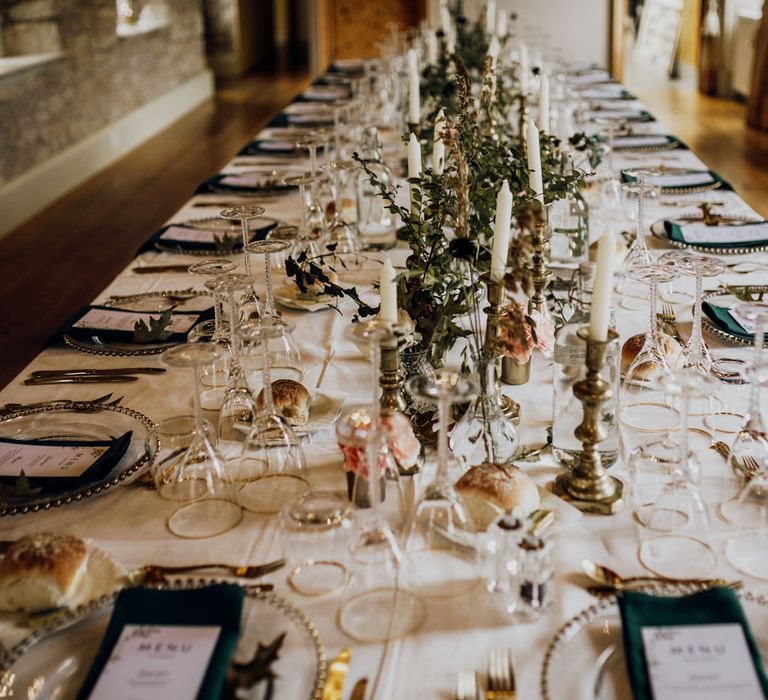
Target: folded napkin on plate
pixel 99 469
pixel 232 182
pixel 751 233
pixel 645 141
pixel 724 320
pixel 676 180
pixel 260 147
pixel 711 607
pixel 629 115
pixel 115 324
pixel 181 238
pixel 219 605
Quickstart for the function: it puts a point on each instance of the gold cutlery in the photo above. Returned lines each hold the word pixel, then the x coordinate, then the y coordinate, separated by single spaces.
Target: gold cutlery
pixel 669 321
pixel 721 448
pixel 150 573
pixel 90 379
pixel 466 685
pixel 358 691
pixel 96 372
pixel 337 675
pixel 501 676
pixel 606 577
pixel 160 269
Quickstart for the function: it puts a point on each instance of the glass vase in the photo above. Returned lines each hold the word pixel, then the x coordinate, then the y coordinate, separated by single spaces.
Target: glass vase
pixel 484 433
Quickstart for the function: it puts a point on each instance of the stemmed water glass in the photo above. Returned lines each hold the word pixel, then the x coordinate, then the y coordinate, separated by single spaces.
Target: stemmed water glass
pixel 214 331
pixel 675 529
pixel 643 409
pixel 285 233
pixel 209 504
pixel 272 464
pixel 244 213
pixel 267 248
pixel 611 186
pixel 696 353
pixel 238 407
pixel 315 213
pixel 440 529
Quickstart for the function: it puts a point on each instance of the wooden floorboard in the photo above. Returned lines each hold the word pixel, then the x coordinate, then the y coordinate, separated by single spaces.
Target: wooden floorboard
pixel 62 258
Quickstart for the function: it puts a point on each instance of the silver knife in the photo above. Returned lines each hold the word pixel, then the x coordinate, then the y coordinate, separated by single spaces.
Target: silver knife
pixel 96 372
pixel 98 379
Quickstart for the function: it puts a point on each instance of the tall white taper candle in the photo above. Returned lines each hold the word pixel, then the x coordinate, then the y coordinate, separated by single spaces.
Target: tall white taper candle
pixel 414 98
pixel 534 160
pixel 601 293
pixel 544 103
pixel 501 233
pixel 388 293
pixel 438 146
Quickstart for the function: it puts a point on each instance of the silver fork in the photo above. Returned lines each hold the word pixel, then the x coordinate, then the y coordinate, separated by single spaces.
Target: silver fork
pixel 501 676
pixel 466 685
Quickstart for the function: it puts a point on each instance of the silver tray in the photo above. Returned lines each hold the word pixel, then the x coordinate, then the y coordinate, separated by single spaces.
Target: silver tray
pixel 223 225
pixel 585 659
pixel 72 421
pixel 52 662
pixel 670 146
pixel 151 302
pixel 114 349
pixel 711 328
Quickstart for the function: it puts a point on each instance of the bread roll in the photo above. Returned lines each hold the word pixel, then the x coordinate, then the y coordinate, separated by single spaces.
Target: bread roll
pixel 490 490
pixel 291 401
pixel 42 571
pixel 632 347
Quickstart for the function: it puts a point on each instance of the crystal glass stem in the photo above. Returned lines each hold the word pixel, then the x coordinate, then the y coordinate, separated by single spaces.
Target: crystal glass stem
pixel 198 409
pixel 443 407
pixel 696 342
pixel 269 299
pixel 640 236
pixel 269 404
pixel 246 239
pixel 653 330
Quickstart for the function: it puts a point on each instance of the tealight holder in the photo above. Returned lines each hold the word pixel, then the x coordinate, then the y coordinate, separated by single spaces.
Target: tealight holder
pixel 588 486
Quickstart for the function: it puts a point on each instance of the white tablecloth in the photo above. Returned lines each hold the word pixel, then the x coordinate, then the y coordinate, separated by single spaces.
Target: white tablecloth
pixel 129 522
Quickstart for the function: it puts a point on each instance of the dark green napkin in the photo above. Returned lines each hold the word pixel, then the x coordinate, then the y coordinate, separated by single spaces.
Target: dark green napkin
pixel 258 233
pixel 254 148
pixel 99 470
pixel 675 232
pixel 215 184
pixel 723 184
pixel 710 607
pixel 123 336
pixel 219 605
pixel 724 320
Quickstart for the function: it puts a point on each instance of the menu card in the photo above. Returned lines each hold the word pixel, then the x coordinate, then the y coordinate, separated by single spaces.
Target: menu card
pixel 703 177
pixel 104 318
pixel 157 662
pixel 192 235
pixel 250 181
pixel 690 662
pixel 721 235
pixel 635 141
pixel 43 460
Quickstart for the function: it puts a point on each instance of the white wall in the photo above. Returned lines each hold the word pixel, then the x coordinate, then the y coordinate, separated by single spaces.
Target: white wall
pixel 580 29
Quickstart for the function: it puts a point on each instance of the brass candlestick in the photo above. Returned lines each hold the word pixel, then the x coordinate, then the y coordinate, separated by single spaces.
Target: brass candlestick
pixel 391 380
pixel 414 128
pixel 509 407
pixel 540 237
pixel 522 119
pixel 588 486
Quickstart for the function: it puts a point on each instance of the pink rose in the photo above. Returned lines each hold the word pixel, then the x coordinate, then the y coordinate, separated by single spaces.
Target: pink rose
pixel 545 333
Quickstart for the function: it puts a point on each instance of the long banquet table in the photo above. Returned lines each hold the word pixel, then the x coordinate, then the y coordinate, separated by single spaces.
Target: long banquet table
pixel 129 522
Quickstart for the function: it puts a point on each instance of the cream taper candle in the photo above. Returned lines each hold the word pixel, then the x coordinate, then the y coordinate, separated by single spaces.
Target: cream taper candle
pixel 414 162
pixel 490 17
pixel 534 160
pixel 388 293
pixel 525 69
pixel 600 314
pixel 501 24
pixel 431 47
pixel 501 233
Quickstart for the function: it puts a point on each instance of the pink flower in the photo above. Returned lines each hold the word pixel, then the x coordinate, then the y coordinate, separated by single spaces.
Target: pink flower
pixel 401 440
pixel 545 333
pixel 517 334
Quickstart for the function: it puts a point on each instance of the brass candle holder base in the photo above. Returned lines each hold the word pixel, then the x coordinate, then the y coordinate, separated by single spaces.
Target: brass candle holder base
pixel 588 486
pixel 540 238
pixel 391 381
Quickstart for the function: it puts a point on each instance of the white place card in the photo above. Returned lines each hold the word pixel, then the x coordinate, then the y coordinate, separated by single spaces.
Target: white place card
pixel 267 145
pixel 635 141
pixel 701 233
pixel 189 235
pixel 118 320
pixel 47 460
pixel 255 181
pixel 692 662
pixel 319 118
pixel 682 179
pixel 157 663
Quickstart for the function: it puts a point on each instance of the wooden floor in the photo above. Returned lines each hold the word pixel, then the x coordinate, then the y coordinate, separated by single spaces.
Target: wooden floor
pixel 62 258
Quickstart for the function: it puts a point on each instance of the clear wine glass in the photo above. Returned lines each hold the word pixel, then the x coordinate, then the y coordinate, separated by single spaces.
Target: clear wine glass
pixel 287 234
pixel 268 248
pixel 272 464
pixel 675 529
pixel 440 536
pixel 244 213
pixel 212 267
pixel 696 353
pixel 238 408
pixel 209 504
pixel 315 213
